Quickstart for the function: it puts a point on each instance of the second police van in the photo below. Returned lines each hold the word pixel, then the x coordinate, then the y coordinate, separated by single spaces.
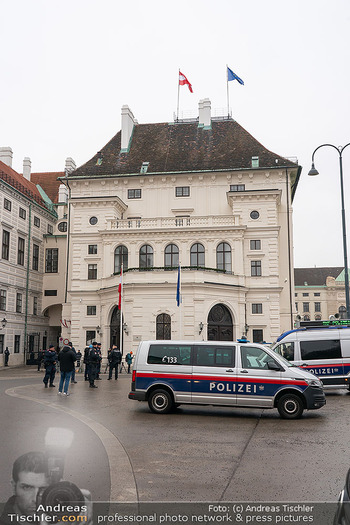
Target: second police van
pixel 320 347
pixel 167 374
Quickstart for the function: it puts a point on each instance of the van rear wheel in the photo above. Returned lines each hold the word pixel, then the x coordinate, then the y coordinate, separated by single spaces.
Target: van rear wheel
pixel 160 401
pixel 290 406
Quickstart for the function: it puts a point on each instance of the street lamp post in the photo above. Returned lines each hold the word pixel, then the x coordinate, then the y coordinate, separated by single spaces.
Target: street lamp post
pixel 314 171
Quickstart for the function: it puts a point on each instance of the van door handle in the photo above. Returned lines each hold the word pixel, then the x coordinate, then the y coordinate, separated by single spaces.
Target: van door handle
pixel 229 370
pixel 244 371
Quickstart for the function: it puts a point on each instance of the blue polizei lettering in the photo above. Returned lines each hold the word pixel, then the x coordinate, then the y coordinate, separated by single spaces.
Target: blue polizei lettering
pixel 245 388
pixel 325 371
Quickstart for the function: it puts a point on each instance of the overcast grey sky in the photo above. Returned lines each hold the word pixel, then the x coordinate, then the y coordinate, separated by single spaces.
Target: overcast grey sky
pixel 69 65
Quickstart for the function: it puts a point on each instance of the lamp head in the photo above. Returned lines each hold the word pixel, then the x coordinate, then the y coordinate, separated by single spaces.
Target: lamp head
pixel 313 170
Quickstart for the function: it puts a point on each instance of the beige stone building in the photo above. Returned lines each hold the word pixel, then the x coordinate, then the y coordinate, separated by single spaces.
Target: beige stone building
pixel 320 293
pixel 202 194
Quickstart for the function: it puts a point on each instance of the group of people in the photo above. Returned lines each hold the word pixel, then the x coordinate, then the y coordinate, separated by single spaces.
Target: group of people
pixel 68 358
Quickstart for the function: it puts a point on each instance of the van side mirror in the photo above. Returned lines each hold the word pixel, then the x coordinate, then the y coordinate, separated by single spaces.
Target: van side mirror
pixel 272 365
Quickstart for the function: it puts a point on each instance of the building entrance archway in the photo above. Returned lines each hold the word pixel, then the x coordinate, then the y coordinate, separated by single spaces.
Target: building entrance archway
pixel 220 326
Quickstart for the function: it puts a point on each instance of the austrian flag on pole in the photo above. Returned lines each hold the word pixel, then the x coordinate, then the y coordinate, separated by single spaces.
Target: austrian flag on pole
pixel 120 289
pixel 183 80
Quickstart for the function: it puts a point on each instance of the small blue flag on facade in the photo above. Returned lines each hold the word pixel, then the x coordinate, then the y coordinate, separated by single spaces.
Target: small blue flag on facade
pixel 178 294
pixel 232 76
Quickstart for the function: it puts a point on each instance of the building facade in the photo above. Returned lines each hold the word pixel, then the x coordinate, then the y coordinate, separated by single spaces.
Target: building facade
pixel 201 194
pixel 320 293
pixel 27 217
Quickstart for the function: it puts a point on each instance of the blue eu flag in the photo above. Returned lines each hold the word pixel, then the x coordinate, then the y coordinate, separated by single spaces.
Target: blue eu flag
pixel 232 76
pixel 178 293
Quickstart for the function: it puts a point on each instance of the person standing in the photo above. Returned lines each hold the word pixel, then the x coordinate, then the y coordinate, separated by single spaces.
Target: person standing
pixel 67 360
pixel 40 358
pixel 86 362
pixel 73 349
pixel 99 365
pixel 114 359
pixel 50 360
pixel 7 355
pixel 128 358
pixel 94 360
pixel 79 356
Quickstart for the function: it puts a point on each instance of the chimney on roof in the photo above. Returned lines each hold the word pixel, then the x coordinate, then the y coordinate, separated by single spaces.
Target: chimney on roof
pixel 128 122
pixel 204 107
pixel 63 194
pixel 27 168
pixel 69 165
pixel 6 155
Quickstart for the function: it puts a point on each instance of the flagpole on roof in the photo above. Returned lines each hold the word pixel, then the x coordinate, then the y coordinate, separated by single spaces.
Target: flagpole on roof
pixel 228 102
pixel 178 95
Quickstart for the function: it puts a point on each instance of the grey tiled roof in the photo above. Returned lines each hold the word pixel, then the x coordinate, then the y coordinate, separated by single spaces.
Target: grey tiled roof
pixel 181 147
pixel 315 276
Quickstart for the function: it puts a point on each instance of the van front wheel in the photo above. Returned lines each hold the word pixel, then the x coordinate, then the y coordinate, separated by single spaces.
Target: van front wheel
pixel 160 401
pixel 290 406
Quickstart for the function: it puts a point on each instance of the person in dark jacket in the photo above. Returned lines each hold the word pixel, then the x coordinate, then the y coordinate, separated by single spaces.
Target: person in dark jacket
pixel 67 360
pixel 73 373
pixel 114 359
pixel 50 360
pixel 7 355
pixel 86 362
pixel 94 360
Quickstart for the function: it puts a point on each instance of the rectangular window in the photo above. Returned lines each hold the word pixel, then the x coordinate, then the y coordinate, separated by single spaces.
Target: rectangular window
pixel 2 340
pixel 134 194
pixel 317 294
pixel 255 162
pixel 255 267
pixel 3 294
pixel 296 306
pixel 92 271
pixel 7 205
pixel 35 257
pixel 169 354
pixel 35 306
pixel 20 252
pixel 92 249
pixel 237 187
pixel 5 245
pixel 90 337
pixel 22 213
pixel 50 293
pixel 36 221
pixel 17 344
pixel 19 303
pixel 255 245
pixel 91 310
pixel 212 355
pixel 258 336
pixel 317 307
pixel 328 349
pixel 182 191
pixel 50 229
pixel 51 260
pixel 306 307
pixel 257 308
pixel 305 294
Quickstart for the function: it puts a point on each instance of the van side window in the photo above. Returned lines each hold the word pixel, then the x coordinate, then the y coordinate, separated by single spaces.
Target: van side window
pixel 253 357
pixel 329 349
pixel 169 354
pixel 286 350
pixel 210 355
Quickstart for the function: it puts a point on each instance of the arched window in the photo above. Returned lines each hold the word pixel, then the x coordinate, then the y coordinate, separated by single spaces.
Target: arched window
pixel 171 256
pixel 146 256
pixel 197 255
pixel 120 258
pixel 223 257
pixel 163 326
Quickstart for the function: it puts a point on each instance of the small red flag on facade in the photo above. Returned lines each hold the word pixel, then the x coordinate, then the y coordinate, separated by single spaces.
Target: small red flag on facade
pixel 183 80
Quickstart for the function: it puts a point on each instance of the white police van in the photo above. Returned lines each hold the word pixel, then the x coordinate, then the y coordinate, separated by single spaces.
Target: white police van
pixel 167 374
pixel 320 347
